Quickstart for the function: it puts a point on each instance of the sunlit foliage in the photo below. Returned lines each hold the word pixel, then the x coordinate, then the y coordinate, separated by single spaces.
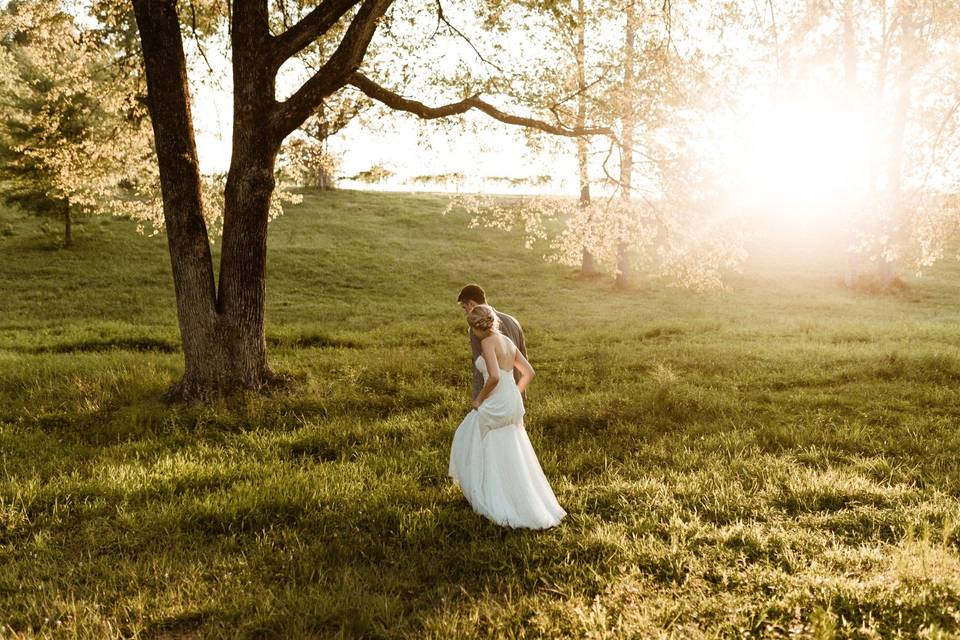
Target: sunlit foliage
pixel 73 135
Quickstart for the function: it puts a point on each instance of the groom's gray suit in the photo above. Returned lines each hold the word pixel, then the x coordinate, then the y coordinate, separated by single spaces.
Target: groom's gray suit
pixel 508 327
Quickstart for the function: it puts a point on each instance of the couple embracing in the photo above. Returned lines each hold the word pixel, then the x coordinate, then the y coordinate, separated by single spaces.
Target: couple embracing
pixel 492 460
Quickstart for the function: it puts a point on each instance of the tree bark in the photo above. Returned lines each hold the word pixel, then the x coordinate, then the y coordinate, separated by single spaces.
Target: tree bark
pixel 241 298
pixel 626 148
pixel 67 225
pixel 322 179
pixel 880 76
pixel 222 327
pixel 852 275
pixel 220 351
pixel 909 37
pixel 588 266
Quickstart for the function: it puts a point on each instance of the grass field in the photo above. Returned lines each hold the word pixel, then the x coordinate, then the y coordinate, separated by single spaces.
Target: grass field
pixel 776 460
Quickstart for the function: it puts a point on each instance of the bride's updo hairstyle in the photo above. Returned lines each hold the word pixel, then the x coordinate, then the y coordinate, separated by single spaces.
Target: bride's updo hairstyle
pixel 483 318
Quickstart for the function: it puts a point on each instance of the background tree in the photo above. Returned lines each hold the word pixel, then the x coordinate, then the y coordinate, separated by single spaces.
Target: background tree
pixel 658 202
pixel 65 109
pixel 577 64
pixel 588 264
pixel 878 56
pixel 308 161
pixel 306 154
pixel 222 327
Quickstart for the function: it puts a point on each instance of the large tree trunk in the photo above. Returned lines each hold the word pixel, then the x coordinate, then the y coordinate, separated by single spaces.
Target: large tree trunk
pixel 626 152
pixel 909 37
pixel 853 203
pixel 223 344
pixel 872 198
pixel 250 184
pixel 223 331
pixel 67 225
pixel 588 265
pixel 242 290
pixel 323 181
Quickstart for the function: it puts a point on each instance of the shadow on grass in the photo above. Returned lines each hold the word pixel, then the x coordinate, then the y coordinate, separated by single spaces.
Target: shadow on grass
pixel 141 344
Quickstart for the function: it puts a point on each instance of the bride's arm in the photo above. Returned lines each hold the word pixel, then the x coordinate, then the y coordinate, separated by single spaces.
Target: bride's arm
pixel 526 371
pixel 489 353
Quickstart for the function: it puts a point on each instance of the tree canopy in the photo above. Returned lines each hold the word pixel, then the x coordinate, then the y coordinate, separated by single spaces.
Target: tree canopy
pixel 74 138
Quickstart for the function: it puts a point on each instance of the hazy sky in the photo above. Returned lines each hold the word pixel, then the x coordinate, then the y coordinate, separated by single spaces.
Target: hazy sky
pixel 792 151
pixel 398 142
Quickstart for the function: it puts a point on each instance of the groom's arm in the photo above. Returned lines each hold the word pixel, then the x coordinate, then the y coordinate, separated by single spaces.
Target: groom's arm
pixel 515 333
pixel 477 383
pixel 522 348
pixel 521 341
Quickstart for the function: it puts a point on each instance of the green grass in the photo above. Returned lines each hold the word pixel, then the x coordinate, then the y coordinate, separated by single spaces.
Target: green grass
pixel 776 460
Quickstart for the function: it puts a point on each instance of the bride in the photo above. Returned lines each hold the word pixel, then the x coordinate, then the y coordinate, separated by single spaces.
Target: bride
pixel 492 459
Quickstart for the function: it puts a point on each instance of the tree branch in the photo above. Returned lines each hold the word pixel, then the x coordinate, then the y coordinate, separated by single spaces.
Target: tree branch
pixel 335 72
pixel 285 15
pixel 399 103
pixel 311 27
pixel 776 37
pixel 579 92
pixel 197 39
pixel 441 17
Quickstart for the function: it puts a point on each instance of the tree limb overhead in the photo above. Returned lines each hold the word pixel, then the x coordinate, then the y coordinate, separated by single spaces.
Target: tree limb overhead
pixel 335 72
pixel 398 102
pixel 311 27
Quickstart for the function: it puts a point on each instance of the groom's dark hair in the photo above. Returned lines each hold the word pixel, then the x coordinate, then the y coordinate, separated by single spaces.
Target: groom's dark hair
pixel 473 292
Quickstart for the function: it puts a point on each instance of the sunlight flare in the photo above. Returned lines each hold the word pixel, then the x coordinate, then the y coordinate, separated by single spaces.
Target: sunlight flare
pixel 803 161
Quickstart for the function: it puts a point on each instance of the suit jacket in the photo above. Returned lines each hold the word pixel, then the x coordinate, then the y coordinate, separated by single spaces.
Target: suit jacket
pixel 508 327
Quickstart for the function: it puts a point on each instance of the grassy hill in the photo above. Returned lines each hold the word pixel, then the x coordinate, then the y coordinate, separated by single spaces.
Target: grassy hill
pixel 779 459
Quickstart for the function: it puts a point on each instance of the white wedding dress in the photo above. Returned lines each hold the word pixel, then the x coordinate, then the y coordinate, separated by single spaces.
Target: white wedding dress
pixel 493 462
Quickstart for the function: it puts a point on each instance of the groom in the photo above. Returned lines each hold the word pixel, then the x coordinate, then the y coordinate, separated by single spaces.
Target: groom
pixel 470 296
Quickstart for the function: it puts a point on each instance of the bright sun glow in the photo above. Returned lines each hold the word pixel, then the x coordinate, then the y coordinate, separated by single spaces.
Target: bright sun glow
pixel 802 161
